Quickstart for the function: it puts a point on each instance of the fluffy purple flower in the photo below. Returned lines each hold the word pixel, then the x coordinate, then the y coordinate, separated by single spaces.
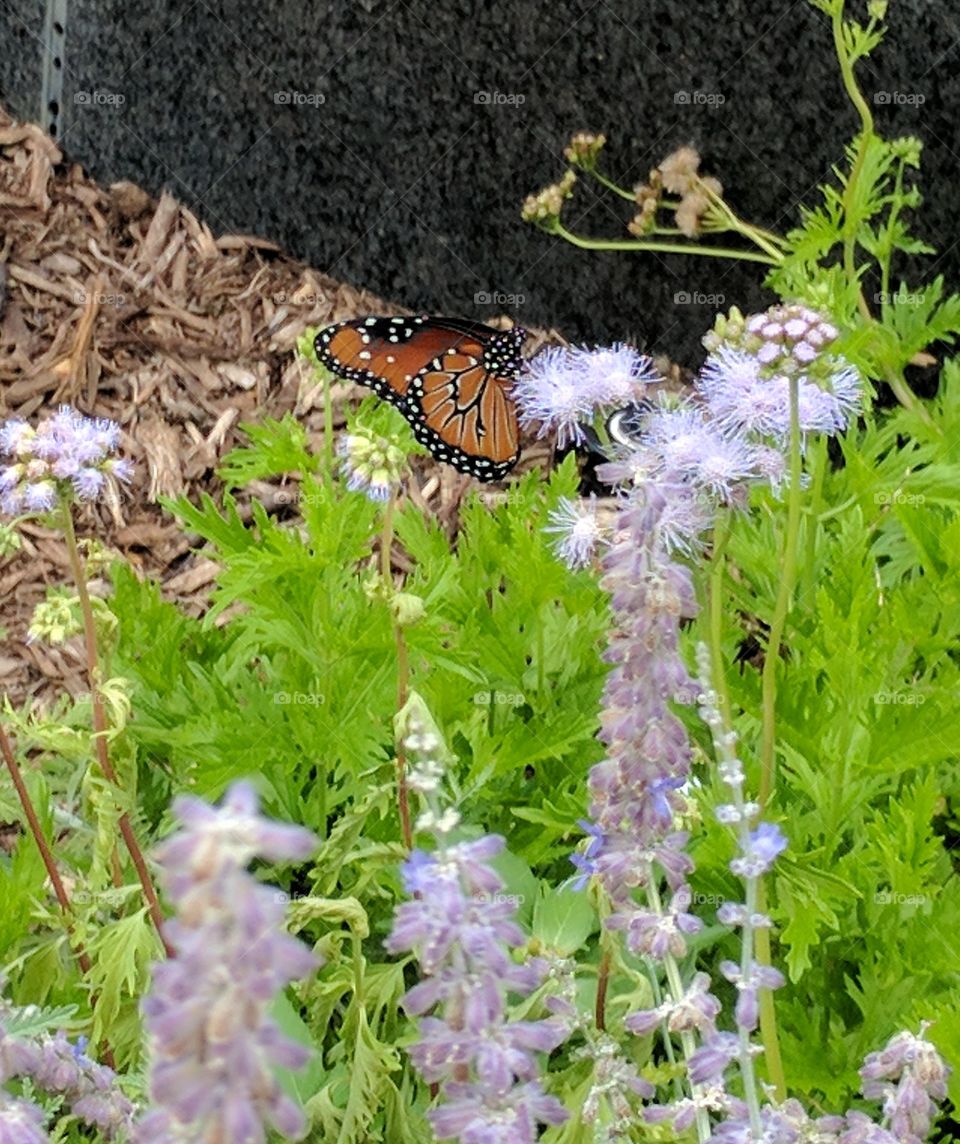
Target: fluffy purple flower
pixel 549 393
pixel 561 387
pixel 213 1047
pixel 68 455
pixel 698 450
pixel 578 531
pixel 40 496
pixel 462 929
pixel 745 381
pixel 614 375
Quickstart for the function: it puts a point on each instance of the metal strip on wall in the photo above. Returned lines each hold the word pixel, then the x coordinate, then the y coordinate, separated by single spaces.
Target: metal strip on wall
pixel 54 44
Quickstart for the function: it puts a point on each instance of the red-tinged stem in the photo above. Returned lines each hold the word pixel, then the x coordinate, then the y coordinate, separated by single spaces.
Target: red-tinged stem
pixel 6 749
pixel 603 980
pixel 100 727
pixel 38 836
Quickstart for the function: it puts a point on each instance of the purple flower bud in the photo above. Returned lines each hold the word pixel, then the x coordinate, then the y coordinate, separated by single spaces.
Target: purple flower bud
pixel 765 844
pixel 710 1061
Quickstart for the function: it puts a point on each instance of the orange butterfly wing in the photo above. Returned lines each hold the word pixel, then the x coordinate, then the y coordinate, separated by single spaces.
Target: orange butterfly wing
pixel 449 377
pixel 466 408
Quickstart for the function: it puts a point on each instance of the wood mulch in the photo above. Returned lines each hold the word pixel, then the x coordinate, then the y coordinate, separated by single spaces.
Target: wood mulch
pixel 130 307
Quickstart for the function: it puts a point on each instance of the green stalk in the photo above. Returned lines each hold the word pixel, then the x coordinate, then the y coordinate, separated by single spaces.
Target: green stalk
pixel 721 534
pixel 661 247
pixel 403 671
pixel 819 465
pixel 611 185
pixel 328 423
pixel 767 241
pixel 863 140
pixel 788 569
pixel 788 572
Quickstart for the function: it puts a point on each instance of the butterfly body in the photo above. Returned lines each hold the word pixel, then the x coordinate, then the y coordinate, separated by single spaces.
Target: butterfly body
pixel 449 377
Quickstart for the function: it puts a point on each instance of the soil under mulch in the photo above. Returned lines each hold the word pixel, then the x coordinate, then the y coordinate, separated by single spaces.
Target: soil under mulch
pixel 129 307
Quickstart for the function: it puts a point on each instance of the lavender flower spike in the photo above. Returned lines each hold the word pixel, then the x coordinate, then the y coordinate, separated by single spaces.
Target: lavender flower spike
pixel 461 929
pixel 909 1077
pixel 212 1046
pixel 21 1122
pixel 55 1066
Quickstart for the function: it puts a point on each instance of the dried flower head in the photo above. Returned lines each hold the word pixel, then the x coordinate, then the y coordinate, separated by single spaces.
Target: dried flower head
pixel 696 206
pixel 679 170
pixel 545 206
pixel 644 221
pixel 583 149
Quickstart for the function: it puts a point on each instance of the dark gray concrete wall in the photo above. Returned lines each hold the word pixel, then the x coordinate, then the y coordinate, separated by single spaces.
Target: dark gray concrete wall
pixel 353 133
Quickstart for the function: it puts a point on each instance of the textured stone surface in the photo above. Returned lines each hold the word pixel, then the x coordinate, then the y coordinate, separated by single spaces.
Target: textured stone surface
pixel 397 179
pixel 21 39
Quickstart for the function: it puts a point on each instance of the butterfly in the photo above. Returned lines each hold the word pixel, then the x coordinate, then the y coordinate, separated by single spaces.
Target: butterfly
pixel 449 377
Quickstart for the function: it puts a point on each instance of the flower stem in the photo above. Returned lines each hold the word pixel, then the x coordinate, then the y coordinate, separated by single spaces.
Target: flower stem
pixel 38 836
pixel 403 671
pixel 328 423
pixel 611 185
pixel 6 749
pixel 863 140
pixel 766 240
pixel 819 465
pixel 788 572
pixel 893 377
pixel 768 1014
pixel 603 980
pixel 662 247
pixel 100 727
pixel 721 534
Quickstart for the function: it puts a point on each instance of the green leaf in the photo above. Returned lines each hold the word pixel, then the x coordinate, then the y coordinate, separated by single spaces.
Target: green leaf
pixel 563 919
